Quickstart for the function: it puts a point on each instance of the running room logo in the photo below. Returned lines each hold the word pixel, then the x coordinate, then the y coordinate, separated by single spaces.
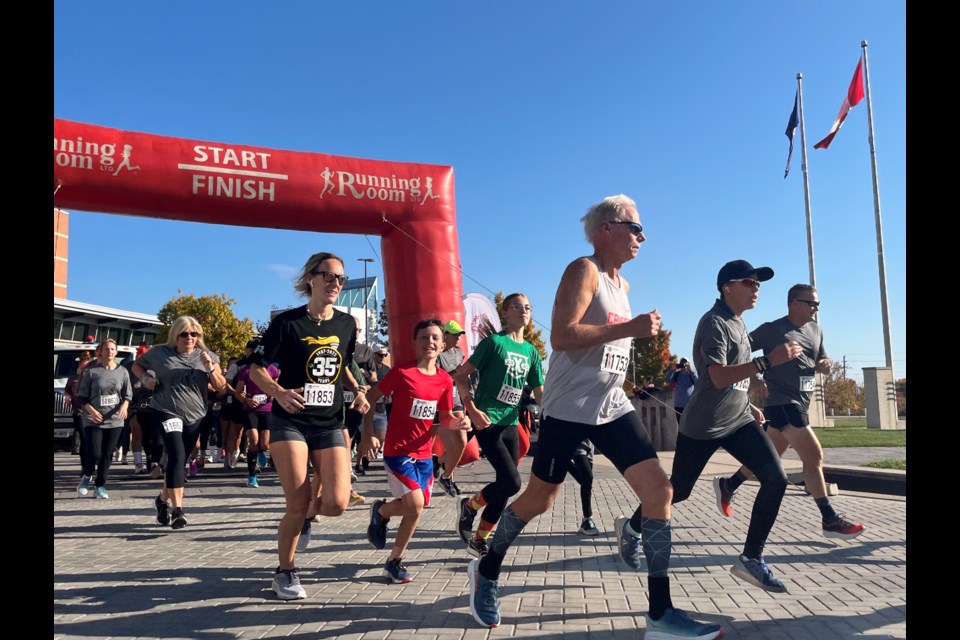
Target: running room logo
pixel 365 186
pixel 323 365
pixel 86 154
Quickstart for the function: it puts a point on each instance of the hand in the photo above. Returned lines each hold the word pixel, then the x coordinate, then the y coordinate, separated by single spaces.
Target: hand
pixel 480 419
pixel 785 353
pixel 251 402
pixel 823 366
pixel 290 400
pixel 95 416
pixel 122 413
pixel 360 403
pixel 459 423
pixel 757 414
pixel 646 325
pixel 368 445
pixel 206 361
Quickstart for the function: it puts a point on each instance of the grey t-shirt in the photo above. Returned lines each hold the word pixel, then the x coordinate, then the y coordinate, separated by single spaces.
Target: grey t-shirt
pixel 105 389
pixel 181 381
pixel 721 338
pixel 449 360
pixel 791 382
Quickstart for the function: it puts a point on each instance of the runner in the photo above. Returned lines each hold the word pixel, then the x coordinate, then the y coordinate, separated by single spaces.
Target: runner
pixel 312 346
pixel 506 362
pixel 591 333
pixel 420 391
pixel 454 442
pixel 789 389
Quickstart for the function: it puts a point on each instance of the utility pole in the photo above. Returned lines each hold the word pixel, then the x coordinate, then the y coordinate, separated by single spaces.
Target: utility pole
pixel 366 318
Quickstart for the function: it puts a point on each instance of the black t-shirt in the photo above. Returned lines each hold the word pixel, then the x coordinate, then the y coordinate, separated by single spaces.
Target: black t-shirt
pixel 312 354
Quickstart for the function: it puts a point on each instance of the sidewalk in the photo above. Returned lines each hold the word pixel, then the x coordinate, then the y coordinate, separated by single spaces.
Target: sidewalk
pixel 117 574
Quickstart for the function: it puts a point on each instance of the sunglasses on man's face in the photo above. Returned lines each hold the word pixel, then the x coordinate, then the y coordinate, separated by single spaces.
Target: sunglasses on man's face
pixel 330 276
pixel 813 303
pixel 748 282
pixel 635 227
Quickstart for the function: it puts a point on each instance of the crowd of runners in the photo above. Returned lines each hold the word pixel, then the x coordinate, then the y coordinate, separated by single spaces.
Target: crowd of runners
pixel 313 403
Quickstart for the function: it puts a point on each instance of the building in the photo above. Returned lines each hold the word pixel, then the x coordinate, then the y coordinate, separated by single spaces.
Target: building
pixel 76 321
pixel 350 300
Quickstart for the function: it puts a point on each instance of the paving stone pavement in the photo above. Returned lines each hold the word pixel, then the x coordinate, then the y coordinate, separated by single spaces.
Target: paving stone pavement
pixel 117 574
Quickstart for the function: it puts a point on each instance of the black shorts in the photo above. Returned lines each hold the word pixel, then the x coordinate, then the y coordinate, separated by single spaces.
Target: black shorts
pixel 232 412
pixel 781 416
pixel 259 420
pixel 315 438
pixel 624 441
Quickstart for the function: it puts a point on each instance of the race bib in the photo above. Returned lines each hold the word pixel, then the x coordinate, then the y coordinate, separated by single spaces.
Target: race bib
pixel 260 398
pixel 318 395
pixel 111 400
pixel 615 360
pixel 423 409
pixel 173 425
pixel 743 385
pixel 509 395
pixel 806 383
pixel 348 396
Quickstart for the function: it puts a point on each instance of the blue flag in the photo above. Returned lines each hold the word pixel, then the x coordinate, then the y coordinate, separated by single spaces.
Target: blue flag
pixel 792 129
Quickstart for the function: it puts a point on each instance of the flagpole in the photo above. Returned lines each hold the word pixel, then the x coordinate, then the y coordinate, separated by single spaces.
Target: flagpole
pixel 885 313
pixel 806 183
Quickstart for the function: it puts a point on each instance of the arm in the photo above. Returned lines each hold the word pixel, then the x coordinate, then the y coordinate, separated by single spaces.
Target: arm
pixel 461 378
pixel 455 421
pixel 368 439
pixel 360 402
pixel 537 393
pixel 577 288
pixel 289 400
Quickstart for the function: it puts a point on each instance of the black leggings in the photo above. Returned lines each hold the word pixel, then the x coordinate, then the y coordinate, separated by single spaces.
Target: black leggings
pixel 581 468
pixel 501 447
pixel 751 447
pixel 178 444
pixel 100 444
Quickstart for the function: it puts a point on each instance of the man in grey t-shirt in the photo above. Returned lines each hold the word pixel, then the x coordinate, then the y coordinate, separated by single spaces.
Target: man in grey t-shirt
pixel 789 389
pixel 719 413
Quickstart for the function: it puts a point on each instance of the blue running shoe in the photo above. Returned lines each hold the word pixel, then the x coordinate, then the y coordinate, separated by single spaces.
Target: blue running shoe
pixel 84 485
pixel 757 573
pixel 484 604
pixel 101 493
pixel 253 482
pixel 395 572
pixel 377 530
pixel 262 459
pixel 629 547
pixel 676 625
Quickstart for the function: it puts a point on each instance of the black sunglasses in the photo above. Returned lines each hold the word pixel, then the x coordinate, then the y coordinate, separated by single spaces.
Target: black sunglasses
pixel 635 227
pixel 330 276
pixel 812 303
pixel 189 334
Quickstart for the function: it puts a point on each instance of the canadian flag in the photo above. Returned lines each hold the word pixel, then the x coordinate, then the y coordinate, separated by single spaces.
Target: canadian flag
pixel 854 96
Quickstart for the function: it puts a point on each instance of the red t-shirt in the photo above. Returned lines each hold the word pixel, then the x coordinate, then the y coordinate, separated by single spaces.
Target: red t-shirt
pixel 416 398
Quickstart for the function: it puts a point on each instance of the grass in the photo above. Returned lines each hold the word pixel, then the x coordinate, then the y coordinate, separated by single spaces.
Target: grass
pixel 857 435
pixel 900 465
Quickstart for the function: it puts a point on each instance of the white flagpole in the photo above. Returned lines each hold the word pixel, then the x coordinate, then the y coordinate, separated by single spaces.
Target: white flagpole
pixel 885 313
pixel 806 183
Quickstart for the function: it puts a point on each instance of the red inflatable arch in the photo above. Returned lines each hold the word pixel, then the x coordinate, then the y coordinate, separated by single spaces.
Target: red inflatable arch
pixel 410 206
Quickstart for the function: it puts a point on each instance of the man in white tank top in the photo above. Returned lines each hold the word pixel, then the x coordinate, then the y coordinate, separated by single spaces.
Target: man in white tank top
pixel 583 397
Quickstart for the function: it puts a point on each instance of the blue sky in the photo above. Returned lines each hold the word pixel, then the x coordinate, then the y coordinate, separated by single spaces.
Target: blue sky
pixel 542 109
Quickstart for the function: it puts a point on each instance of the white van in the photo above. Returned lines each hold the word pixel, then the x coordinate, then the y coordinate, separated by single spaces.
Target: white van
pixel 66 359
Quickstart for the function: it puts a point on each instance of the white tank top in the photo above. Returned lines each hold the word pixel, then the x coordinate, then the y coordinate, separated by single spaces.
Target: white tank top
pixel 586 385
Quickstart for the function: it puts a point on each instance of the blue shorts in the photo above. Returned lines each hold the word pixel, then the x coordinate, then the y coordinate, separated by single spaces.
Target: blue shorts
pixel 406 474
pixel 781 416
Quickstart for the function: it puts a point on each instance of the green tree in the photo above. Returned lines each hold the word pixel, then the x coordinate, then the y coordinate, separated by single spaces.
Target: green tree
pixel 223 333
pixel 383 327
pixel 901 387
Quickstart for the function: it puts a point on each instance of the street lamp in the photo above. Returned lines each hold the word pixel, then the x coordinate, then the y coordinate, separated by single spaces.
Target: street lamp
pixel 366 319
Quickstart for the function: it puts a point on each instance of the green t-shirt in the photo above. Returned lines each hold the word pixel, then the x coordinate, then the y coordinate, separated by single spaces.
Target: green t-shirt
pixel 505 367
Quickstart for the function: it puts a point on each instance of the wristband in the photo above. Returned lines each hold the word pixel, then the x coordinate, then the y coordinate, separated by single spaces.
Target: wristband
pixel 762 363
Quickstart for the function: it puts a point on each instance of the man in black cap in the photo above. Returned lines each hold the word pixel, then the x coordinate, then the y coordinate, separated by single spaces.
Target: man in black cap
pixel 720 414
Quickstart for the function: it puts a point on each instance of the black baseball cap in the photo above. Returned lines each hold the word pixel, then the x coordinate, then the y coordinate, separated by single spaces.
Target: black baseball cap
pixel 253 344
pixel 739 269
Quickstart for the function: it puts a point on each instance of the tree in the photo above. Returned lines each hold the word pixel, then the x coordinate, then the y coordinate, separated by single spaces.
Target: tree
pixel 651 357
pixel 901 390
pixel 383 328
pixel 223 333
pixel 841 393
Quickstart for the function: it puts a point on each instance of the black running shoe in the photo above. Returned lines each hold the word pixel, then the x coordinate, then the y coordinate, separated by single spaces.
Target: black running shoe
pixel 478 547
pixel 163 512
pixel 465 517
pixel 178 522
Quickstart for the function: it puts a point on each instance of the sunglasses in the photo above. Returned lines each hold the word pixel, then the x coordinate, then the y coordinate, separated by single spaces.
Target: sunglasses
pixel 812 303
pixel 516 306
pixel 635 227
pixel 379 355
pixel 189 334
pixel 330 276
pixel 748 282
